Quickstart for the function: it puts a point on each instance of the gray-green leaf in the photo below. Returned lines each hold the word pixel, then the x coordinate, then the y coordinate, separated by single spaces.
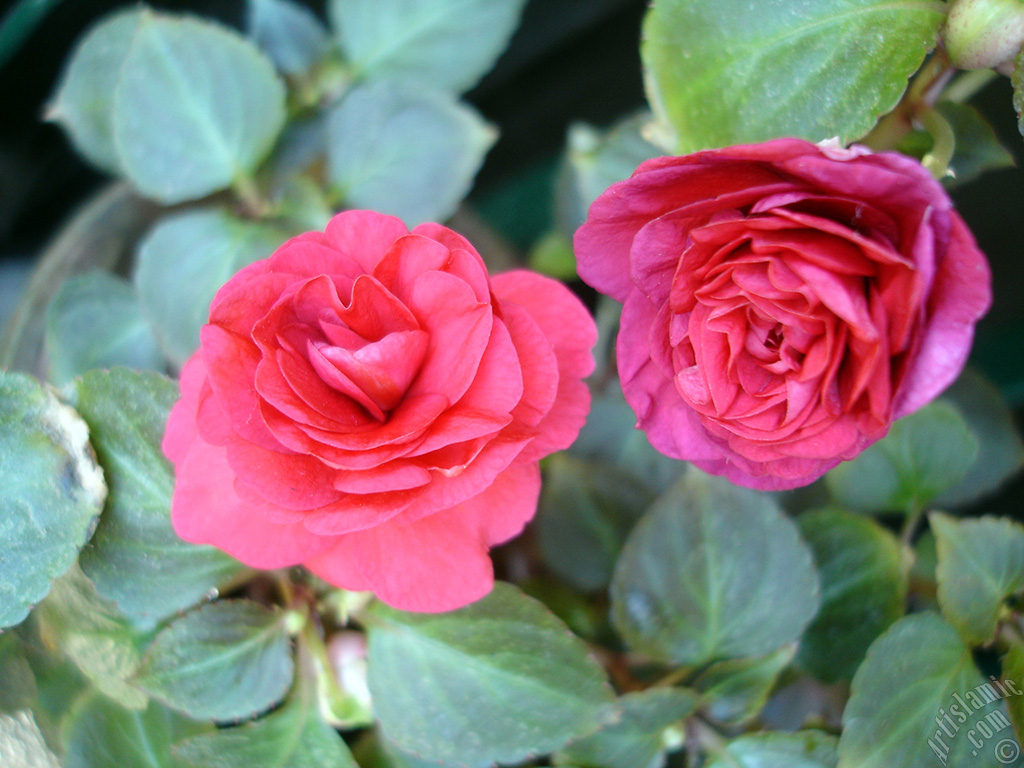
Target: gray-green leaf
pixel 863 573
pixel 498 680
pixel 22 744
pixel 289 33
pixel 405 149
pixel 95 635
pixel 197 107
pixel 803 749
pixel 723 72
pixel 981 564
pixel 135 558
pixel 100 734
pixel 636 739
pixel 51 491
pixel 184 260
pixel 449 44
pixel 1000 448
pixel 923 455
pixel 908 697
pixel 586 511
pixel 713 571
pixel 290 737
pixel 735 690
pixel 94 321
pixel 226 660
pixel 84 102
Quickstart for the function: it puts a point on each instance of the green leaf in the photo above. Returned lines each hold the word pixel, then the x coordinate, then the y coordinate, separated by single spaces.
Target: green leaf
pixel 923 455
pixel 498 680
pixel 100 734
pixel 290 737
pixel 977 147
pixel 553 256
pixel 636 739
pixel 586 511
pixel 135 557
pixel 1017 81
pixel 736 690
pixel 981 564
pixel 22 744
pixel 404 149
pixel 1000 448
pixel 226 660
pixel 19 690
pixel 803 749
pixel 595 160
pixel 906 699
pixel 863 574
pixel 722 72
pixel 713 571
pixel 94 321
pixel 51 491
pixel 84 101
pixel 1013 682
pixel 448 44
pixel 95 635
pixel 289 33
pixel 196 108
pixel 184 260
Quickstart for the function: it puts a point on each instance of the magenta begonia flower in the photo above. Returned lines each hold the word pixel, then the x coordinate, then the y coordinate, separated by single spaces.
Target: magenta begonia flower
pixel 783 302
pixel 367 402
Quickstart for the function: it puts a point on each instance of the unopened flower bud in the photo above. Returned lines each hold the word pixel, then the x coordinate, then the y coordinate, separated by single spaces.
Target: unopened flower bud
pixel 984 33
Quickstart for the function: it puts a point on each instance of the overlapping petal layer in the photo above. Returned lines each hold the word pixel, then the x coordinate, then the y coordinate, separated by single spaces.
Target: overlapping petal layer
pixel 783 302
pixel 369 403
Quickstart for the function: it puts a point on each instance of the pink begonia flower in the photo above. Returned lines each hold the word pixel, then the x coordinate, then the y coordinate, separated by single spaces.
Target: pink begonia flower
pixel 783 302
pixel 368 403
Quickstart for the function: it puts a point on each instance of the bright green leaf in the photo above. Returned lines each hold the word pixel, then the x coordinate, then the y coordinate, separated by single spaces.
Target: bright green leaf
pixel 449 44
pixel 94 321
pixel 803 749
pixel 905 699
pixel 197 107
pixel 498 680
pixel 723 72
pixel 135 557
pixel 863 575
pixel 635 740
pixel 184 260
pixel 289 33
pixel 226 660
pixel 586 511
pixel 100 734
pixel 1000 448
pixel 981 564
pixel 713 571
pixel 94 635
pixel 51 491
pixel 735 690
pixel 404 149
pixel 923 455
pixel 83 103
pixel 22 744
